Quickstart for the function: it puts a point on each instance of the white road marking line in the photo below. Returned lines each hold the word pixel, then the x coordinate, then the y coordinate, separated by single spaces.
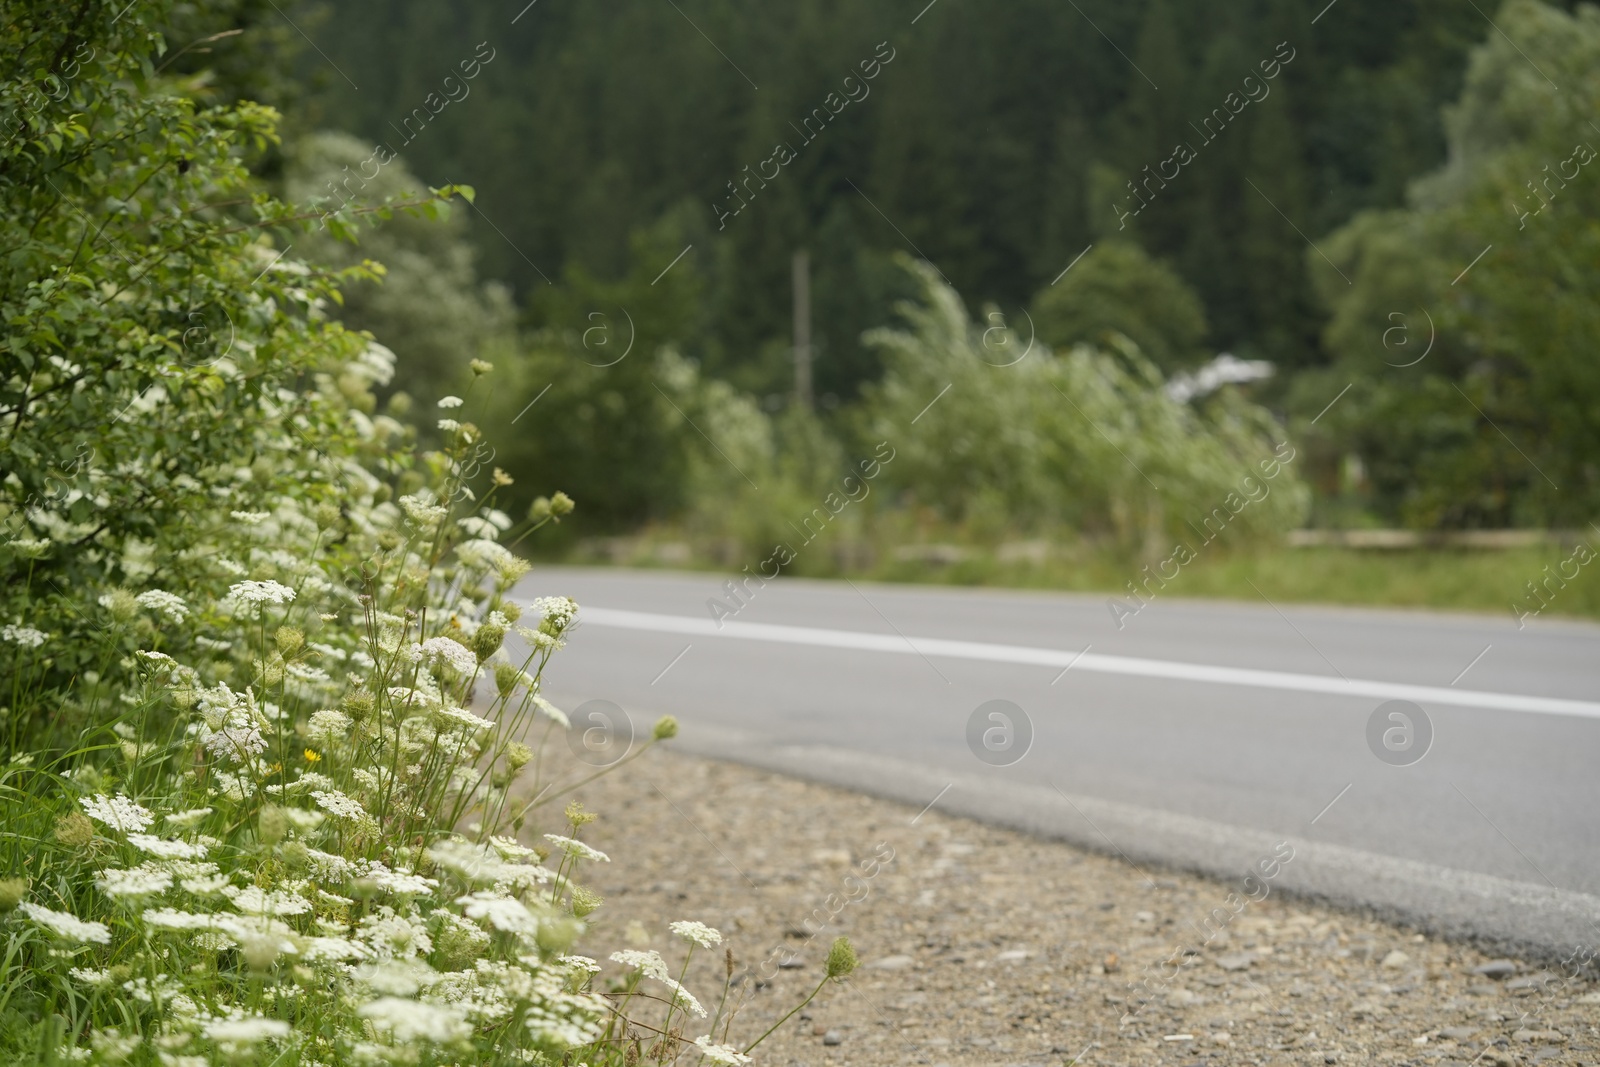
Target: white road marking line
pixel 1087 661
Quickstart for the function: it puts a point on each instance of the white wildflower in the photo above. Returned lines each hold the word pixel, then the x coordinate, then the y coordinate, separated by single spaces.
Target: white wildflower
pixel 406 1021
pixel 502 913
pixel 406 882
pixel 512 849
pixel 253 900
pixel 117 812
pixel 450 402
pixel 723 1054
pixel 422 511
pixel 246 1031
pixel 167 850
pixel 134 883
pixel 163 603
pixel 556 715
pixel 251 518
pixel 237 743
pixel 450 716
pixel 186 820
pixel 559 611
pixel 329 724
pixel 650 964
pixel 449 425
pixel 26 636
pixel 697 933
pixel 173 919
pixel 457 655
pixel 339 805
pixel 66 925
pixel 573 847
pixel 90 977
pixel 268 592
pixel 580 963
pixel 481 552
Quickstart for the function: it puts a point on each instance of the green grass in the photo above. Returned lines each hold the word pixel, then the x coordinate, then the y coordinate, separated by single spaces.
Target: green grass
pixel 1483 581
pixel 1489 582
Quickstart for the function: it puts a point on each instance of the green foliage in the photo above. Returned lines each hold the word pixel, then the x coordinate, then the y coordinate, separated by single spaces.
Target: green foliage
pixel 1086 439
pixel 629 116
pixel 1117 288
pixel 1498 425
pixel 428 304
pixel 248 812
pixel 159 359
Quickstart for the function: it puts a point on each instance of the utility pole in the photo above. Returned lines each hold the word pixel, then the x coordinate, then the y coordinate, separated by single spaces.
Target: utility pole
pixel 801 272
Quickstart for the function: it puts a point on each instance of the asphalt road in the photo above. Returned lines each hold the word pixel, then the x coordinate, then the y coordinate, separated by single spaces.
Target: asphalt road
pixel 1199 734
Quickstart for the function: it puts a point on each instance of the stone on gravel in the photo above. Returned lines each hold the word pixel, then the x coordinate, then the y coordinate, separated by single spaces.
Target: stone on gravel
pixel 833 1037
pixel 1395 959
pixel 1237 961
pixel 892 963
pixel 1551 1037
pixel 1496 969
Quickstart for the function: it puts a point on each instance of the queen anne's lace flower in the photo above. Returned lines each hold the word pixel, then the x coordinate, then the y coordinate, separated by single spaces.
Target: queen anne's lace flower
pixel 67 926
pixel 723 1054
pixel 556 714
pixel 26 636
pixel 696 933
pixel 237 743
pixel 338 805
pixel 268 592
pixel 163 603
pixel 406 1021
pixel 134 882
pixel 650 964
pixel 117 812
pixel 502 913
pixel 457 655
pixel 573 847
pixel 169 850
pixel 246 1031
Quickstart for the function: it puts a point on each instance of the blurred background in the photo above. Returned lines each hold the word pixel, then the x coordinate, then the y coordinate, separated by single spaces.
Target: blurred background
pixel 1080 270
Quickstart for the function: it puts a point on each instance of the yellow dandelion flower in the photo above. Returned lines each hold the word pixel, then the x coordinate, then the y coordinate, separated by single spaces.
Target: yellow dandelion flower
pixel 312 756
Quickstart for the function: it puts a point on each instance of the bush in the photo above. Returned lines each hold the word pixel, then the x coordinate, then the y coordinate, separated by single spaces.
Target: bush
pixel 249 810
pixel 1088 440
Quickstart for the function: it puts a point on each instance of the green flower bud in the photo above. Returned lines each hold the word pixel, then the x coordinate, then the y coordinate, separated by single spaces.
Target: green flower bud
pixel 12 890
pixel 358 704
pixel 296 857
pixel 518 755
pixel 120 604
pixel 841 958
pixel 486 640
pixel 585 901
pixel 480 367
pixel 666 728
pixel 558 936
pixel 561 504
pixel 506 678
pixel 539 510
pixel 271 825
pixel 74 829
pixel 289 640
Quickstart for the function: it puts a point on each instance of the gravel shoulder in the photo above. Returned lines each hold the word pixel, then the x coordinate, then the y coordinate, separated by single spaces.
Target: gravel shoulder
pixel 982 945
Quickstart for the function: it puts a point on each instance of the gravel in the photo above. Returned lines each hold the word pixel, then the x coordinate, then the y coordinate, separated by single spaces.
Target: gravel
pixel 987 946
